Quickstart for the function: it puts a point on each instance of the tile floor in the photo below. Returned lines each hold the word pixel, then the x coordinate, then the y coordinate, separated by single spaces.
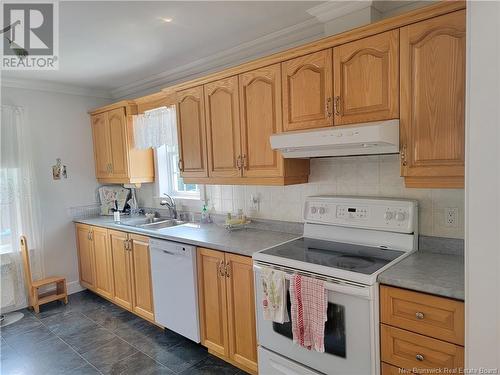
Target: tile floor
pixel 92 336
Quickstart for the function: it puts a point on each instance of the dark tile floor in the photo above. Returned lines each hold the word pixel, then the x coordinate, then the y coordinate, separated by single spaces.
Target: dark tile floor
pixel 92 336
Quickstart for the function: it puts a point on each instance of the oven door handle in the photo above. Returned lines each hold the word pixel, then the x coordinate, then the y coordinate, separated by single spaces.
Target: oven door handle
pixel 338 286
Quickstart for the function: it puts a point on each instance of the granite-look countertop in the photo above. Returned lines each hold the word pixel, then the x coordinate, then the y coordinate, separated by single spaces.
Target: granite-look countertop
pixel 428 272
pixel 213 236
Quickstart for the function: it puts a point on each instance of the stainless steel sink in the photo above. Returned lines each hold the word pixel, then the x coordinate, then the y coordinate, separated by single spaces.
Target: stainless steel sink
pixel 152 223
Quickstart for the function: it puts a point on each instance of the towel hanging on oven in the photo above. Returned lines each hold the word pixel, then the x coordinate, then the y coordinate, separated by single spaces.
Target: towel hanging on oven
pixel 274 295
pixel 309 304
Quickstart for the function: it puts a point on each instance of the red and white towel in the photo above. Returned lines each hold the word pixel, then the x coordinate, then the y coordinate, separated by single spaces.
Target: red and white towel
pixel 308 312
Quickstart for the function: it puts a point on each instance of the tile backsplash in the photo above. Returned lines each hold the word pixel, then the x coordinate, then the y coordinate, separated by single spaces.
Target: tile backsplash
pixel 376 175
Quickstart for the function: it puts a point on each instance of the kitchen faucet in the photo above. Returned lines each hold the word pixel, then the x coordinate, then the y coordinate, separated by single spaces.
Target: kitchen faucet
pixel 171 205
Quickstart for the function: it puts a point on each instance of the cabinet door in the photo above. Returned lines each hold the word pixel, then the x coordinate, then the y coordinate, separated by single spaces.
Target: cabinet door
pixel 260 112
pixel 122 269
pixel 100 137
pixel 192 133
pixel 103 262
pixel 223 128
pixel 307 91
pixel 86 259
pixel 143 291
pixel 241 311
pixel 119 144
pixel 366 79
pixel 212 300
pixel 433 101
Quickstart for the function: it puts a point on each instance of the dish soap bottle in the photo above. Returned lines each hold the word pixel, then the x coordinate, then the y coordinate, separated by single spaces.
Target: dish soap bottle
pixel 204 215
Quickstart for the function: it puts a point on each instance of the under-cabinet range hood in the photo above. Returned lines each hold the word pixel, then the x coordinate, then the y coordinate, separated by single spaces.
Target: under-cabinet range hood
pixel 369 138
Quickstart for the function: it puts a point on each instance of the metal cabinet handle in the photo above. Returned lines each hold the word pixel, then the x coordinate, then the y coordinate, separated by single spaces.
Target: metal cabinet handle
pixel 419 315
pixel 220 268
pixel 180 165
pixel 88 235
pixel 403 156
pixel 245 161
pixel 419 357
pixel 328 107
pixel 337 106
pixel 239 162
pixel 228 269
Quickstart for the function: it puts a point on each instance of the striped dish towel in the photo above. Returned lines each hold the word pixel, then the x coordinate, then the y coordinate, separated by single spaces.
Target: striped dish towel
pixel 308 312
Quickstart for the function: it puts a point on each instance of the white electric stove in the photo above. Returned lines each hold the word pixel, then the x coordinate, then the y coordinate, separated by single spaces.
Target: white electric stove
pixel 347 242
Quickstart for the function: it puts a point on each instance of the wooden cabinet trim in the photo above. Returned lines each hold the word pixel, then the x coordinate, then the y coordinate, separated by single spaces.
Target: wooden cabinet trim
pixel 122 270
pixel 104 284
pixel 142 283
pixel 85 244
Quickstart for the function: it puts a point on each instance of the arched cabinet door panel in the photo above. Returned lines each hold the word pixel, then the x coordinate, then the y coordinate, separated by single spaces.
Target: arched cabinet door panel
pixel 192 133
pixel 433 101
pixel 307 91
pixel 366 79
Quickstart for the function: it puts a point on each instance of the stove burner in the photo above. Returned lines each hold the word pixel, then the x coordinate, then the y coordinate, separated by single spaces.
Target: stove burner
pixel 350 262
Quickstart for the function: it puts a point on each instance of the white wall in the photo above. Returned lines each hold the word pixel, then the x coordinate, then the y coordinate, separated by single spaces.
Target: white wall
pixel 60 128
pixel 360 175
pixel 482 234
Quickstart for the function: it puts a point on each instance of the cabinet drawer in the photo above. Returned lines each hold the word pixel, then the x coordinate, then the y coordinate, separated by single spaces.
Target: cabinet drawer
pixel 412 351
pixel 438 317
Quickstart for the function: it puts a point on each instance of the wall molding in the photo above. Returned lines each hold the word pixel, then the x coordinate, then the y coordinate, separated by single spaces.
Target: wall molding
pixel 331 10
pixel 39 85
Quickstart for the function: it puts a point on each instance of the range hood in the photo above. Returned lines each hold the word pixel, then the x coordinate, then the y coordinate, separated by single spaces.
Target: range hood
pixel 369 138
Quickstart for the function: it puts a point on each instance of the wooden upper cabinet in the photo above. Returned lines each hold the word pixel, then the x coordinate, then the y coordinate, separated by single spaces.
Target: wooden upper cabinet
pixel 103 262
pixel 141 275
pixel 433 101
pixel 260 113
pixel 118 142
pixel 366 79
pixel 307 91
pixel 122 269
pixel 100 136
pixel 212 300
pixel 223 128
pixel 192 133
pixel 116 159
pixel 86 259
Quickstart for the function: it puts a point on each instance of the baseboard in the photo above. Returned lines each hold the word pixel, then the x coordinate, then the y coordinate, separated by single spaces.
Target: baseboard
pixel 74 287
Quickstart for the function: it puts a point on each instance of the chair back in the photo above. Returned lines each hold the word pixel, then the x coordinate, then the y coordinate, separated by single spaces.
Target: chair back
pixel 26 261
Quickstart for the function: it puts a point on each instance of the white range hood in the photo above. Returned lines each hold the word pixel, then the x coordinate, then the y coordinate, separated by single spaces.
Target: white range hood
pixel 380 137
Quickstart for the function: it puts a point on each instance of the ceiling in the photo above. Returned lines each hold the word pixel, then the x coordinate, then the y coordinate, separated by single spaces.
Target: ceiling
pixel 111 44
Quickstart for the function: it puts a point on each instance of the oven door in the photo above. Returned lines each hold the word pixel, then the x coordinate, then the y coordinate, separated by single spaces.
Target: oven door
pixel 351 331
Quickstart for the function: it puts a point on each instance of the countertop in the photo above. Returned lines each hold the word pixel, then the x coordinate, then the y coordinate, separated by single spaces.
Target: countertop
pixel 213 236
pixel 428 272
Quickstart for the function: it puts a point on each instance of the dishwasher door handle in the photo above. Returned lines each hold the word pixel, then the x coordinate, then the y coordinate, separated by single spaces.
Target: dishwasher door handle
pixel 168 252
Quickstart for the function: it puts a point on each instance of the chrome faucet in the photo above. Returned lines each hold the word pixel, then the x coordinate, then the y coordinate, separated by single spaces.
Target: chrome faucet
pixel 171 205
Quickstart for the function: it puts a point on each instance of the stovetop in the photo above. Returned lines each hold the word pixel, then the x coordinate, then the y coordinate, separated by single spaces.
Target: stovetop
pixel 360 259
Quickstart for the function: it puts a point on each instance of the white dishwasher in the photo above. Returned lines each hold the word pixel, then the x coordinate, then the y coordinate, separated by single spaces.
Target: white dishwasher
pixel 175 290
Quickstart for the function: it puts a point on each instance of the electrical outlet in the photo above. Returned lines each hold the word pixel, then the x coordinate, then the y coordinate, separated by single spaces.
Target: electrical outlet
pixel 254 202
pixel 451 217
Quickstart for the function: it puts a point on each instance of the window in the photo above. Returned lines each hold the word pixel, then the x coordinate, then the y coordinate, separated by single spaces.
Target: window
pixel 169 177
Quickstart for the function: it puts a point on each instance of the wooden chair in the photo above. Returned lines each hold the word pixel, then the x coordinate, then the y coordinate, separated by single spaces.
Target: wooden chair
pixel 35 298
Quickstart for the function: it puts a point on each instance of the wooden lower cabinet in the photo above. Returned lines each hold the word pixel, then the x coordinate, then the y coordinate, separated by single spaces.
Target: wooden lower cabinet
pixel 141 276
pixel 420 333
pixel 116 265
pixel 86 260
pixel 227 307
pixel 103 262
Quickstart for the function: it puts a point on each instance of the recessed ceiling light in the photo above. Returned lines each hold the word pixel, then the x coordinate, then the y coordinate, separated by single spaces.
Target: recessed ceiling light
pixel 167 19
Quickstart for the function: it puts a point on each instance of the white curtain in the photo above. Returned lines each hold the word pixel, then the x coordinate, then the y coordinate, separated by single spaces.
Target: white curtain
pixel 19 212
pixel 155 128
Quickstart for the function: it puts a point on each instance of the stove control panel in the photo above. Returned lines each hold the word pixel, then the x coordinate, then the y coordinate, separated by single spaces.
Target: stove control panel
pixel 372 213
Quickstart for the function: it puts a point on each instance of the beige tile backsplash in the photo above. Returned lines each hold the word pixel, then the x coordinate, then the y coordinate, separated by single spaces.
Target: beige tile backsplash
pixel 360 176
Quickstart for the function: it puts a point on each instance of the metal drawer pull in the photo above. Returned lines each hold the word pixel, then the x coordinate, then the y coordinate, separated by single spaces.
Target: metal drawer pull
pixel 220 267
pixel 419 357
pixel 228 269
pixel 419 315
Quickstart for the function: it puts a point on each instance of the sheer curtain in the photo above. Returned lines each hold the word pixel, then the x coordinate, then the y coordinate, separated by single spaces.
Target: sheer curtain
pixel 19 212
pixel 156 128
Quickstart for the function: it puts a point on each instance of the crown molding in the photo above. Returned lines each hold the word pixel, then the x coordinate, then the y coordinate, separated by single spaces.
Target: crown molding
pixel 273 42
pixel 33 84
pixel 334 9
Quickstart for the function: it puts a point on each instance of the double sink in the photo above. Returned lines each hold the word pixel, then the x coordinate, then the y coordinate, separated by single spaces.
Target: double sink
pixel 153 223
